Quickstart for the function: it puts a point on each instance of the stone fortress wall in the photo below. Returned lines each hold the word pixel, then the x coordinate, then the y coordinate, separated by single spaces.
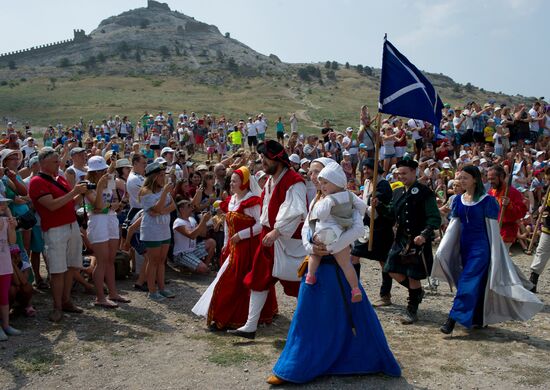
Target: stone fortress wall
pixel 79 37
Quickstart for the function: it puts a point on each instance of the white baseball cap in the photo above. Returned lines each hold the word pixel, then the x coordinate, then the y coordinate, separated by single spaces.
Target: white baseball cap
pixel 166 149
pixel 294 158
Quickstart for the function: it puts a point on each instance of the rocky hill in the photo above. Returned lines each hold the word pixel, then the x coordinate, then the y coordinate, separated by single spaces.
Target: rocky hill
pixel 119 68
pixel 149 40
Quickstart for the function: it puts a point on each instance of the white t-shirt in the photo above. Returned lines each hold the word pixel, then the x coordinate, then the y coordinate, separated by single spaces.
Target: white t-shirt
pixel 181 242
pixel 28 150
pixel 261 126
pixel 251 129
pixel 154 139
pixel 133 185
pixel 415 125
pixel 533 126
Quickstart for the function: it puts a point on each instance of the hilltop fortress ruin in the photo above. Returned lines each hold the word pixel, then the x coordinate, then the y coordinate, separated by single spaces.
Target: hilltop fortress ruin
pixel 79 37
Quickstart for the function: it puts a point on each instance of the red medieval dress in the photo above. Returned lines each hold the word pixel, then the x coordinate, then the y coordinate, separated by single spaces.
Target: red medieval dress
pixel 225 302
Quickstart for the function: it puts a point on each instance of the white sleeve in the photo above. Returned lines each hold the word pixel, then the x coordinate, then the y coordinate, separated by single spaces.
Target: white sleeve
pixel 350 235
pixel 254 212
pixel 308 246
pixel 359 204
pixel 293 210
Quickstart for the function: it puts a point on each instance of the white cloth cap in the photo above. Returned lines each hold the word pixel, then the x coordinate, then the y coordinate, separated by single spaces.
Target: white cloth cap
pixel 335 174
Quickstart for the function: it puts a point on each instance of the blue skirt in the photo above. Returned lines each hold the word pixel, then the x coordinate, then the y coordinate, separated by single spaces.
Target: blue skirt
pixel 320 339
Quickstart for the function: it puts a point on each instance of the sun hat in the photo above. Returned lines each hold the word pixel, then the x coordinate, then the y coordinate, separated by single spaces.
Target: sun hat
pixel 8 152
pixel 154 167
pixel 123 163
pixel 97 163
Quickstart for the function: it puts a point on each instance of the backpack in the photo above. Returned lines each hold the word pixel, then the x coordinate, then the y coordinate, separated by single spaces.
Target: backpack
pixel 122 265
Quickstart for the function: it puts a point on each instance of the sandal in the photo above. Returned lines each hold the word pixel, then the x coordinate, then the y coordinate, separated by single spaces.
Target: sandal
pixel 356 295
pixel 106 305
pixel 120 299
pixel 527 252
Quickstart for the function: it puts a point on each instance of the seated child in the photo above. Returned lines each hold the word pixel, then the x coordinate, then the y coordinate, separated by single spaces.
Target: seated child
pixel 329 218
pixel 187 251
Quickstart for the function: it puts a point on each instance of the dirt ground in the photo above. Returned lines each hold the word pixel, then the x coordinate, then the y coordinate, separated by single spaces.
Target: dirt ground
pixel 145 345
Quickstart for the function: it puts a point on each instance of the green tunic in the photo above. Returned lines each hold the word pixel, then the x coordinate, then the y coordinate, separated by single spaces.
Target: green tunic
pixel 416 213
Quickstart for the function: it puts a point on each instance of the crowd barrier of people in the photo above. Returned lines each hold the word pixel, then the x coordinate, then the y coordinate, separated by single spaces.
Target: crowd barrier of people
pixel 96 203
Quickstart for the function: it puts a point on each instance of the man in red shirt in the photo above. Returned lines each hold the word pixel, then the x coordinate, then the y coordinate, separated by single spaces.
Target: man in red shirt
pixel 54 200
pixel 515 208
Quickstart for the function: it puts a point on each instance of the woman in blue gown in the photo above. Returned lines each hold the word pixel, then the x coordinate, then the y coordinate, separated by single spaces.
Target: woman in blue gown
pixel 329 335
pixel 472 207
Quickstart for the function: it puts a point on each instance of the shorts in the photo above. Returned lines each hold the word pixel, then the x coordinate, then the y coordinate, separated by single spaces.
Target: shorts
pixel 102 228
pixel 211 150
pixel 156 244
pixel 389 156
pixel 280 135
pixel 137 244
pixel 400 151
pixel 37 241
pixel 419 143
pixel 63 247
pixel 261 136
pixel 193 258
pixel 252 140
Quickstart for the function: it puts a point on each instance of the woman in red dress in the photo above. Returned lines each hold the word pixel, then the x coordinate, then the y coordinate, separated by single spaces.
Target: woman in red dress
pixel 225 302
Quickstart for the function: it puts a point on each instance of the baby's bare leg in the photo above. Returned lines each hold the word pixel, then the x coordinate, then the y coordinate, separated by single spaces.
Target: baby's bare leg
pixel 343 260
pixel 312 265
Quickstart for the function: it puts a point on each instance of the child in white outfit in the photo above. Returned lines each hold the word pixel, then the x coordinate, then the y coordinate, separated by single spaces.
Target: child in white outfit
pixel 330 217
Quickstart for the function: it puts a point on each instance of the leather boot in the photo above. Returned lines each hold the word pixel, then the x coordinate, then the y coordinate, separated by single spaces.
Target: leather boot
pixel 534 278
pixel 415 298
pixel 448 326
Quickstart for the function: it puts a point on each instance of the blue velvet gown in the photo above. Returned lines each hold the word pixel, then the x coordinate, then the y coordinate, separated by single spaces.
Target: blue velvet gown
pixel 320 339
pixel 475 252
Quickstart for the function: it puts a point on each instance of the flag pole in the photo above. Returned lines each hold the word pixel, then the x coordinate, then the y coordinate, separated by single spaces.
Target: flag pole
pixel 539 220
pixel 506 191
pixel 375 177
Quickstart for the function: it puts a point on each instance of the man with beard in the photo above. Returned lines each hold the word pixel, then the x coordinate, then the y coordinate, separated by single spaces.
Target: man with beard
pixel 410 258
pixel 284 208
pixel 379 198
pixel 515 209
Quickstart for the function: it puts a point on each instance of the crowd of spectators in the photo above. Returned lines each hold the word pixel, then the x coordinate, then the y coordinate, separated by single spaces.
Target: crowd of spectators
pixel 87 204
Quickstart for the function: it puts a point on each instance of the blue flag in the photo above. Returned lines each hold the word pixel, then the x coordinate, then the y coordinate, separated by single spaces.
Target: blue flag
pixel 405 91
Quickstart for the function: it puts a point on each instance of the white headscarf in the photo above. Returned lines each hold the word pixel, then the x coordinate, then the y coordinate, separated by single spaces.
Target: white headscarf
pixel 335 174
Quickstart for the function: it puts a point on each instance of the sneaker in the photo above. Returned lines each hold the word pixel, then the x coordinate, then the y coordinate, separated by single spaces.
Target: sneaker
pixel 156 296
pixel 10 331
pixel 167 293
pixel 56 315
pixel 3 336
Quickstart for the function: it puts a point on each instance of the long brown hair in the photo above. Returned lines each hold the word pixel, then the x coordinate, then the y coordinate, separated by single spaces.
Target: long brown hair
pixel 151 184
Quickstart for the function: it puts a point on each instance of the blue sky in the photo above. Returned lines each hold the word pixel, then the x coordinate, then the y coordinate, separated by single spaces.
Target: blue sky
pixel 498 45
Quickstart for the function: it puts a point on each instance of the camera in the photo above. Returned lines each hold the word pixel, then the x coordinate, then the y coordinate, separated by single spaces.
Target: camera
pixel 89 185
